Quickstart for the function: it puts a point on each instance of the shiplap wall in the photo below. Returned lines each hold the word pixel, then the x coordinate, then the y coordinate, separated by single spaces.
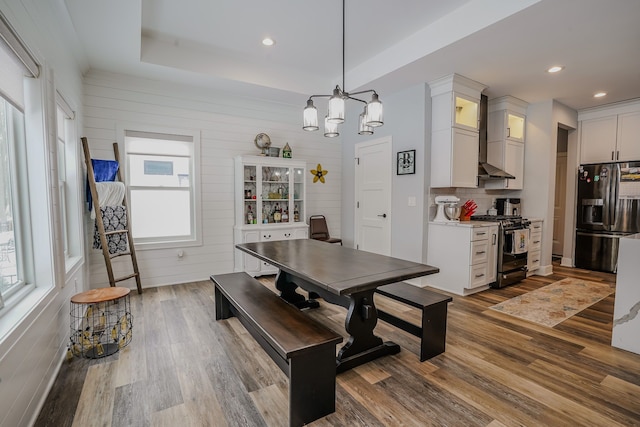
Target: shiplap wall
pixel 227 126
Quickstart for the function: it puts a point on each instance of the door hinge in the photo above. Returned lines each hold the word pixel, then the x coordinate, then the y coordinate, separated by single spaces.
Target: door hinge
pixel 357 205
pixel 357 160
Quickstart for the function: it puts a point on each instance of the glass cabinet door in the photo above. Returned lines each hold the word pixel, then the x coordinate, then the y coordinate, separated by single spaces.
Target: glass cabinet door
pixel 298 195
pixel 466 112
pixel 275 194
pixel 250 195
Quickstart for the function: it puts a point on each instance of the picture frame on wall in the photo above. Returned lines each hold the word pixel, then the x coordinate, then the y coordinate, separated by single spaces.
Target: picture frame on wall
pixel 406 162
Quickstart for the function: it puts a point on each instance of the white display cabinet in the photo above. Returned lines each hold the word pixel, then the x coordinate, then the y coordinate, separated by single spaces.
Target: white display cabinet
pixel 270 205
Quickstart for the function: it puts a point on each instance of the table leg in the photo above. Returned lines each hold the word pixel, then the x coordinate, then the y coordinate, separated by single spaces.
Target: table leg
pixel 362 346
pixel 288 292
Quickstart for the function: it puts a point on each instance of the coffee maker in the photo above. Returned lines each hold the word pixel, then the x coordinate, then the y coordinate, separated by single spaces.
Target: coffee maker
pixel 509 207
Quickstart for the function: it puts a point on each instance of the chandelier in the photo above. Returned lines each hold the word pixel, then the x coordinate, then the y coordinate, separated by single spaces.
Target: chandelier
pixel 370 118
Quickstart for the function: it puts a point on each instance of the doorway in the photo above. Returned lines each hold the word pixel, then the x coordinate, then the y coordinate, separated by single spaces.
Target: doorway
pixel 559 205
pixel 373 196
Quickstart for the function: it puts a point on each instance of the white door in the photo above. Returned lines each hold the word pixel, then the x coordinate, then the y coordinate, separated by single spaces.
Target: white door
pixel 373 196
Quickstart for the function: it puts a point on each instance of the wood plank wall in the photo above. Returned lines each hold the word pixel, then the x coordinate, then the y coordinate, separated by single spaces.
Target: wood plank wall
pixel 227 126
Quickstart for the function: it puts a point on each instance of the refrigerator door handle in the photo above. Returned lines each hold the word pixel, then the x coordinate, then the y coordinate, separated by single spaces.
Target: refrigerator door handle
pixel 613 197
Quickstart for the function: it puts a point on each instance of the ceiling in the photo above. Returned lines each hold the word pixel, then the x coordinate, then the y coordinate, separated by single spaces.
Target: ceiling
pixel 505 44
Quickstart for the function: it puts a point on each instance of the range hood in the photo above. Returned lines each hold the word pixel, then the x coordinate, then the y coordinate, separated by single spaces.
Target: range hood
pixel 486 170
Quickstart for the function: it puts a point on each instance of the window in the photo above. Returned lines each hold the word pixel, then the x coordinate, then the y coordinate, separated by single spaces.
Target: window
pixel 62 174
pixel 13 187
pixel 10 272
pixel 163 183
pixel 68 183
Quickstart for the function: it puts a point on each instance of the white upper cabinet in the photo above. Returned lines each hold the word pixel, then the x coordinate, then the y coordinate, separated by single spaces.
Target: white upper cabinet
pixel 610 134
pixel 506 124
pixel 628 141
pixel 598 138
pixel 455 106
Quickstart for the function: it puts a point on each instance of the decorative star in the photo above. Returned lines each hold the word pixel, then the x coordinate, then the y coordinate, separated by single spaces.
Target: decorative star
pixel 318 173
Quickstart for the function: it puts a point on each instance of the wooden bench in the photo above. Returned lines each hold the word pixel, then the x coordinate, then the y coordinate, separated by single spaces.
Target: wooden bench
pixel 304 349
pixel 433 332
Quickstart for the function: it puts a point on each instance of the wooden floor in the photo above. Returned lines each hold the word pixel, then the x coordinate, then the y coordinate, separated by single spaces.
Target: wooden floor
pixel 184 368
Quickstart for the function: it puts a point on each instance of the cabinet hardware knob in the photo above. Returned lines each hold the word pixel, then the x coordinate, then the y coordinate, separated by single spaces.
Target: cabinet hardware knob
pixel 384 215
pixel 479 275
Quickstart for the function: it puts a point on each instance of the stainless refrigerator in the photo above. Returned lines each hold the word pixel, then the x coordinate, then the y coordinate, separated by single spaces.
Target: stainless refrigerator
pixel 608 208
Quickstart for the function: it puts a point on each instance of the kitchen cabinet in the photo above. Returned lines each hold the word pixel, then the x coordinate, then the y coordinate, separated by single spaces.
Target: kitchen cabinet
pixel 466 254
pixel 506 125
pixel 610 137
pixel 455 106
pixel 535 245
pixel 269 205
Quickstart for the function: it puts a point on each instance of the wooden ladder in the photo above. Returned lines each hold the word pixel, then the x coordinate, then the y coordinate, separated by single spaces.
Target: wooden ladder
pixel 103 234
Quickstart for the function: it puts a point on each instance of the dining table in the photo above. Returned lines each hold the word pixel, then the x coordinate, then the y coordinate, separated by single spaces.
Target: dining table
pixel 339 275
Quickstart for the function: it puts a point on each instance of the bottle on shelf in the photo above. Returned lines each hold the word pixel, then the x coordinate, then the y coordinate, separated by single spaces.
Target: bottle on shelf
pixel 249 215
pixel 296 214
pixel 285 215
pixel 277 213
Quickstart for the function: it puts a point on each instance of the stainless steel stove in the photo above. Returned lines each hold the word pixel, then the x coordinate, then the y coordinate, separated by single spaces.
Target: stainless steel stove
pixel 512 248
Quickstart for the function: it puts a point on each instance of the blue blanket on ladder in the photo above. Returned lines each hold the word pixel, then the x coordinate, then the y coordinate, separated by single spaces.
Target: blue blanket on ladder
pixel 103 170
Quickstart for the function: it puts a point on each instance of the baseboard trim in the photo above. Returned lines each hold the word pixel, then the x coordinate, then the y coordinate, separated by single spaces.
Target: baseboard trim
pixel 566 262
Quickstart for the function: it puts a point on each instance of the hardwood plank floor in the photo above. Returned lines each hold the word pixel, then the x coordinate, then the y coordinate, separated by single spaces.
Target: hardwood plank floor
pixel 184 368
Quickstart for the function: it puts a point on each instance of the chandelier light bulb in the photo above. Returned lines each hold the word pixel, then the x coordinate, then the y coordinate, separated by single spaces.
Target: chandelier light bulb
pixel 330 129
pixel 374 112
pixel 363 129
pixel 335 113
pixel 310 117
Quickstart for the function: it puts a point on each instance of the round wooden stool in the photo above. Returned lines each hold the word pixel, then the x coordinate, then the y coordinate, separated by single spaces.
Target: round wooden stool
pixel 101 322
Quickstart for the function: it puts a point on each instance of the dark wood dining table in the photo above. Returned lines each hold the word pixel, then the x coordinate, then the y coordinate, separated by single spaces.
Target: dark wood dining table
pixel 343 276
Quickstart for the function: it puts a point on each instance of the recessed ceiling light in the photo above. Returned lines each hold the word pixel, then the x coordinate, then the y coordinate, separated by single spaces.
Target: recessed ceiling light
pixel 268 41
pixel 555 69
pixel 599 94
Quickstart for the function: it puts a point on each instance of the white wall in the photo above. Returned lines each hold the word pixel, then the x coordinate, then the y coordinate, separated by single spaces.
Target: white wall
pixel 543 120
pixel 31 350
pixel 227 127
pixel 405 121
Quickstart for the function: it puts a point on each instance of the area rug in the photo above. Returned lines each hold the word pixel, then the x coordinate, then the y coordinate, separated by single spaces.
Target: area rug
pixel 556 302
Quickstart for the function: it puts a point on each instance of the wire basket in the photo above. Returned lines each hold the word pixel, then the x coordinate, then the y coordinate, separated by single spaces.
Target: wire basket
pixel 101 322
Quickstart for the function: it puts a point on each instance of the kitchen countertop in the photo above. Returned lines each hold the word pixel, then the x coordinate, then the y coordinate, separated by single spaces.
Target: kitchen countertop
pixel 465 223
pixel 626 311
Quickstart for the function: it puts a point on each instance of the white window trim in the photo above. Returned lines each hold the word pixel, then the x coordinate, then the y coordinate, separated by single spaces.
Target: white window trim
pixel 197 202
pixel 75 184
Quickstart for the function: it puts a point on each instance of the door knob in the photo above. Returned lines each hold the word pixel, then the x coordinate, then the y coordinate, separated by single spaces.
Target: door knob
pixel 383 215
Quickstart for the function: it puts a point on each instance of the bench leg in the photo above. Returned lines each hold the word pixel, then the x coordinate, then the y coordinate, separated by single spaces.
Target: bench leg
pixel 434 331
pixel 223 310
pixel 312 386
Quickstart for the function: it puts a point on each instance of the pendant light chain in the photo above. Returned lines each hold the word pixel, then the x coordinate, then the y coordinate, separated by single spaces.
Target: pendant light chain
pixel 344 88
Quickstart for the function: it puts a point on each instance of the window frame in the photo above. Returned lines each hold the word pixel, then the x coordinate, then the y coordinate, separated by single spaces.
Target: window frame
pixel 137 130
pixel 71 202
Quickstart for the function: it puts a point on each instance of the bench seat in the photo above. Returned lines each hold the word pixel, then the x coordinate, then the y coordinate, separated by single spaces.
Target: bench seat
pixel 433 331
pixel 304 349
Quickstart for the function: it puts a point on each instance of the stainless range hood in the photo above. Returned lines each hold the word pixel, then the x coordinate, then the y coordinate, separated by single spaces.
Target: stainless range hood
pixel 486 170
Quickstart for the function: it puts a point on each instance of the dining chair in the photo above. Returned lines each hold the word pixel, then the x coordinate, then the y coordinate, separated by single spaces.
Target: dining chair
pixel 318 230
